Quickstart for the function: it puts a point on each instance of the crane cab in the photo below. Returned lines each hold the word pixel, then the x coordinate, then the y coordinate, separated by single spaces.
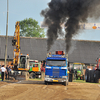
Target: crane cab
pixel 24 62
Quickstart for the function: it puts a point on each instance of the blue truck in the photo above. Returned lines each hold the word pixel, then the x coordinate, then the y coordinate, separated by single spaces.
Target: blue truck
pixel 56 68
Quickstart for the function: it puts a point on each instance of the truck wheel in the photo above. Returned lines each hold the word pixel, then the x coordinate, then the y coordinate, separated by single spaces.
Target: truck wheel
pixel 92 76
pixel 46 83
pixel 87 75
pixel 32 75
pixel 66 83
pixel 70 77
pixel 96 76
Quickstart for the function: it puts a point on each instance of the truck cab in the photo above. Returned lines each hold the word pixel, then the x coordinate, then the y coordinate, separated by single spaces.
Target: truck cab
pixel 56 68
pixel 24 62
pixel 34 69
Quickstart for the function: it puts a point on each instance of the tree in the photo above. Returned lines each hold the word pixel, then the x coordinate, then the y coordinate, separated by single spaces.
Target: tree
pixel 30 28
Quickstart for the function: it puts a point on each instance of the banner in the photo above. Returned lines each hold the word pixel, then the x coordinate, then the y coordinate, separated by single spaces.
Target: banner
pixel 90 26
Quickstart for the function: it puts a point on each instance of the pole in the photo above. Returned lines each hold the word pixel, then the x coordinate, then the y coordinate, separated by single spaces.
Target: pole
pixel 6 36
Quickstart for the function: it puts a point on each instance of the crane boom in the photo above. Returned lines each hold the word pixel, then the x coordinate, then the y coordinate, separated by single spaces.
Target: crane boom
pixel 16 44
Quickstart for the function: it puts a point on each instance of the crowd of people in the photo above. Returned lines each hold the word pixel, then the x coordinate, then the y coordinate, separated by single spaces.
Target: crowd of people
pixel 5 71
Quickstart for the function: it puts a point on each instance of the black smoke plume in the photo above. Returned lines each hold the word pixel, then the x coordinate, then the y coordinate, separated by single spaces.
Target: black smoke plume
pixel 70 12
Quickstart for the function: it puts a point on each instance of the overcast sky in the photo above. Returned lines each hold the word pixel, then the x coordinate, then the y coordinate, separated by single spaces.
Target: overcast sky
pixel 22 9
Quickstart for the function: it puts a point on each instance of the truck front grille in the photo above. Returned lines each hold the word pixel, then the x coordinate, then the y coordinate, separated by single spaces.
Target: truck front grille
pixel 56 73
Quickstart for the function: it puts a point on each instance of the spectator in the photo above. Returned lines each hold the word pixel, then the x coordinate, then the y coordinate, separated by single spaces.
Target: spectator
pixel 3 70
pixel 43 71
pixel 8 71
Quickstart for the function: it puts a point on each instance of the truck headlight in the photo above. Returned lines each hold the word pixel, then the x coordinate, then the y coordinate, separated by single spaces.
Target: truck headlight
pixel 47 76
pixel 19 72
pixel 64 76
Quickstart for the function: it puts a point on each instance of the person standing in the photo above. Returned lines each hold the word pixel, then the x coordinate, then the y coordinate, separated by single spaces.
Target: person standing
pixel 8 71
pixel 3 70
pixel 43 70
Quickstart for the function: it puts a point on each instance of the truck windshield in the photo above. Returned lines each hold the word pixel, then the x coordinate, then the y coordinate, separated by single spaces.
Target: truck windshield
pixel 30 64
pixel 22 61
pixel 56 62
pixel 78 67
pixel 33 64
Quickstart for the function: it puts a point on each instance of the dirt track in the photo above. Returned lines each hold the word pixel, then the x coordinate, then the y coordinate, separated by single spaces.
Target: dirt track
pixel 37 90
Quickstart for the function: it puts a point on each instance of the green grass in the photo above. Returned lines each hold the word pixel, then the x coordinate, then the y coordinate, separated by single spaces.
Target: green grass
pixel 36 79
pixel 81 81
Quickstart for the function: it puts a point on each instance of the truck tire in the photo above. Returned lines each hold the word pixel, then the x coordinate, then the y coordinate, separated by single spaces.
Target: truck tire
pixel 46 83
pixel 66 83
pixel 96 76
pixel 32 75
pixel 87 75
pixel 70 77
pixel 92 76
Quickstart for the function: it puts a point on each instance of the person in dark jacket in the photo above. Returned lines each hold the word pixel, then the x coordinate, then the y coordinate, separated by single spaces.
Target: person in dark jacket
pixel 8 71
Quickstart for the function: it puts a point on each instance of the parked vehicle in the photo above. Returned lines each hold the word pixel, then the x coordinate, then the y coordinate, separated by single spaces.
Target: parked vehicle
pixel 78 71
pixel 34 69
pixel 93 75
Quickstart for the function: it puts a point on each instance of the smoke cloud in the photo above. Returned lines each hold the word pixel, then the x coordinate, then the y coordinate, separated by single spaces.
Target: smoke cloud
pixel 70 12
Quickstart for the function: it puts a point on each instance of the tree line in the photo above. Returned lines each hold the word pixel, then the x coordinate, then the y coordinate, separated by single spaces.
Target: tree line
pixel 30 28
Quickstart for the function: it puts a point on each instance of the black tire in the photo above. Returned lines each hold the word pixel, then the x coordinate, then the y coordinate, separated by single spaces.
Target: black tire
pixel 32 75
pixel 46 83
pixel 96 76
pixel 65 83
pixel 70 77
pixel 87 75
pixel 92 76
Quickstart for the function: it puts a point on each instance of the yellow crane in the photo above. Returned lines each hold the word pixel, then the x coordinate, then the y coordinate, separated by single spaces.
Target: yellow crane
pixel 20 61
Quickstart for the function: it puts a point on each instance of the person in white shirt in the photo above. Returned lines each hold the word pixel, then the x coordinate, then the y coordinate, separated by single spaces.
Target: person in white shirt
pixel 3 70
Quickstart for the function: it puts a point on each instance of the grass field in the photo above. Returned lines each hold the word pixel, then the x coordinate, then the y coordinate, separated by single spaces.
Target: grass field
pixel 81 81
pixel 38 79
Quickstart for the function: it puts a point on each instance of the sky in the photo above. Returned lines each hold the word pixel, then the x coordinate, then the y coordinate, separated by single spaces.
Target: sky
pixel 22 9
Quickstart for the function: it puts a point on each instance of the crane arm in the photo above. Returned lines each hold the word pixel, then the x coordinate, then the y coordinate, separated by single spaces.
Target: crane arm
pixel 16 44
